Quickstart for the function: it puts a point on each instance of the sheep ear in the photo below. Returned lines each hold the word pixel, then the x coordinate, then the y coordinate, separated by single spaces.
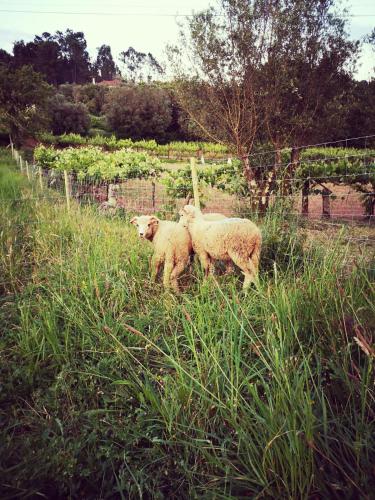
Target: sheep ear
pixel 189 209
pixel 134 220
pixel 154 220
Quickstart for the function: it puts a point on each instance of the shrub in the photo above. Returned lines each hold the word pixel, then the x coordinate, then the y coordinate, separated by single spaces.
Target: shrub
pixel 139 112
pixel 67 117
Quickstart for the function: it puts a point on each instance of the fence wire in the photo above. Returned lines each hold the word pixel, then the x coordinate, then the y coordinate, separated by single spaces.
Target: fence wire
pixel 329 198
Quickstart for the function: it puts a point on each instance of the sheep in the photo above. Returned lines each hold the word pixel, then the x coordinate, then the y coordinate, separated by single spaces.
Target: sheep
pixel 231 239
pixel 172 246
pixel 211 216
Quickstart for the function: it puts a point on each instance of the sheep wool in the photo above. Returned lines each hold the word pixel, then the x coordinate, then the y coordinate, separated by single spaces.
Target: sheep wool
pixel 172 247
pixel 230 239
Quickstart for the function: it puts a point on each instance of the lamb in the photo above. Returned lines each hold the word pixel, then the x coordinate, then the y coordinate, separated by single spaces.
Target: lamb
pixel 172 246
pixel 231 239
pixel 210 217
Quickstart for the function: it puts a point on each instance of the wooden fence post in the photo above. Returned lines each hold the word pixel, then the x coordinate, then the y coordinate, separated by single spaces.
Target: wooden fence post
pixel 153 196
pixel 40 177
pixel 112 195
pixel 305 197
pixel 326 211
pixel 20 162
pixel 27 170
pixel 67 190
pixel 194 178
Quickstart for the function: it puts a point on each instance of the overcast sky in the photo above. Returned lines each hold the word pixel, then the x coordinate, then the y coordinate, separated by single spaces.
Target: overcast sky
pixel 146 25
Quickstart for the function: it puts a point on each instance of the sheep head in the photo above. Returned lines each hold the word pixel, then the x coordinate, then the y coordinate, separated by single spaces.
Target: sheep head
pixel 188 214
pixel 147 226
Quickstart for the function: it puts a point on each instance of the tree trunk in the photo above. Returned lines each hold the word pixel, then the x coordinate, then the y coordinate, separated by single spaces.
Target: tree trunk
pixel 290 171
pixel 326 212
pixel 249 176
pixel 259 188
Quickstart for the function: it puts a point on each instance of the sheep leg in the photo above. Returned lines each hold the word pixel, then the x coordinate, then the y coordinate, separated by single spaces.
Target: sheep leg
pixel 255 257
pixel 168 267
pixel 206 263
pixel 177 270
pixel 156 263
pixel 229 267
pixel 247 267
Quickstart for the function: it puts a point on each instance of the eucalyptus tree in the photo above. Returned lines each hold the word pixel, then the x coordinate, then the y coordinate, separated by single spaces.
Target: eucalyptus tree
pixel 105 66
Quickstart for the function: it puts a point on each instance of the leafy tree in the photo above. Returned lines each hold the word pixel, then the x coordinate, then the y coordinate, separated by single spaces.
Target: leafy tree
pixel 138 66
pixel 92 96
pixel 76 59
pixel 261 70
pixel 23 101
pixel 61 57
pixel 138 112
pixel 371 40
pixel 5 58
pixel 305 69
pixel 68 117
pixel 43 54
pixel 105 67
pixel 360 112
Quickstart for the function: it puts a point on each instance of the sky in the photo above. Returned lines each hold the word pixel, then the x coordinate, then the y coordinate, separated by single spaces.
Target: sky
pixel 146 25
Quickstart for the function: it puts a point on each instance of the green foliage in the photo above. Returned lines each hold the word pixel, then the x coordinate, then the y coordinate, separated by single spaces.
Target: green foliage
pixel 98 122
pixel 92 96
pixel 60 58
pixel 68 117
pixel 179 185
pixel 176 147
pixel 70 139
pixel 46 157
pixel 23 101
pixel 104 66
pixel 112 387
pixel 93 163
pixel 139 112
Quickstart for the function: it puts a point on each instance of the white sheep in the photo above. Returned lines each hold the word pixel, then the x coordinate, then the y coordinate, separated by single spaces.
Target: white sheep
pixel 230 239
pixel 172 246
pixel 216 216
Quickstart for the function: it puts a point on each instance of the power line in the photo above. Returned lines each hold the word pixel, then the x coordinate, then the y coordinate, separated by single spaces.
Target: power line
pixel 137 14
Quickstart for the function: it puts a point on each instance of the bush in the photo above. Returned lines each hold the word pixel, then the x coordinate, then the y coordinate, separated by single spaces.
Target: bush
pixel 99 122
pixel 92 96
pixel 139 112
pixel 93 163
pixel 67 117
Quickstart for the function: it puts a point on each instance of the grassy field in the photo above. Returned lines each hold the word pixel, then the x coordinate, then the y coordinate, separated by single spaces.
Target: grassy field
pixel 111 387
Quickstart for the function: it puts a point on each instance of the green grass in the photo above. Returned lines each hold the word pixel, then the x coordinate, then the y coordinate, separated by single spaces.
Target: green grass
pixel 111 387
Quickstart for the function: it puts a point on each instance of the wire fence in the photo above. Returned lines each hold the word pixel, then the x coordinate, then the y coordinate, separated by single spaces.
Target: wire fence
pixel 145 197
pixel 328 196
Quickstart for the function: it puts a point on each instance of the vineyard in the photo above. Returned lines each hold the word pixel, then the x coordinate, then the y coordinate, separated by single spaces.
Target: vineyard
pixel 173 149
pixel 320 172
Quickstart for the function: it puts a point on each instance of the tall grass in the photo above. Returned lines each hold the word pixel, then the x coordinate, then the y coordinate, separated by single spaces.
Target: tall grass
pixel 113 388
